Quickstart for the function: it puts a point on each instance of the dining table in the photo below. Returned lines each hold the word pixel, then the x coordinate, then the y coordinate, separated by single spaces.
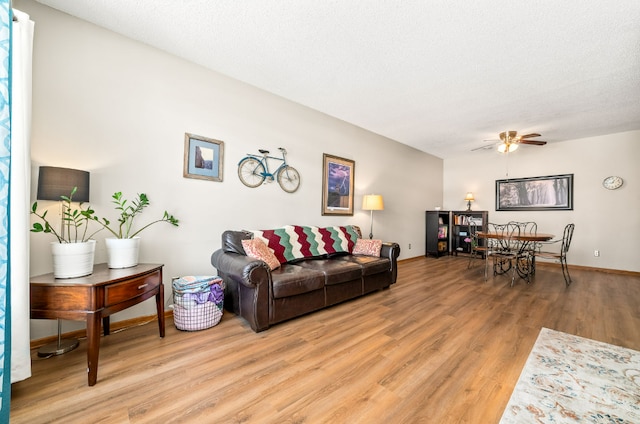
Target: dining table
pixel 524 268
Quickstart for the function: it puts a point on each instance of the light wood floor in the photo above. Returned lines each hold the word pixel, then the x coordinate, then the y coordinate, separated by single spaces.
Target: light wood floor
pixel 440 346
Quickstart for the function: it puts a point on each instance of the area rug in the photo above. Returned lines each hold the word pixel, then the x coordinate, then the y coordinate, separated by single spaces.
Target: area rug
pixel 570 379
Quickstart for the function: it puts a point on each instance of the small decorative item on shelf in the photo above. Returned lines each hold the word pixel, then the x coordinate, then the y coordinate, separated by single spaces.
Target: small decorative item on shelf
pixel 469 198
pixel 123 248
pixel 470 241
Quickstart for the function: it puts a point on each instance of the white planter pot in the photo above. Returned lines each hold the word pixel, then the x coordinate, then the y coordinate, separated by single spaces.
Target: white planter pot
pixel 122 253
pixel 71 260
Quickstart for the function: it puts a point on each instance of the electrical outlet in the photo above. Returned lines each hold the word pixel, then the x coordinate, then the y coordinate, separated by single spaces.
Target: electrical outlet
pixel 596 253
pixel 409 246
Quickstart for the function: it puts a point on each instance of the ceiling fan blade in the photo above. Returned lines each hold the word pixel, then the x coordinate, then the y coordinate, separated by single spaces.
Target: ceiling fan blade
pixel 483 147
pixel 534 142
pixel 529 135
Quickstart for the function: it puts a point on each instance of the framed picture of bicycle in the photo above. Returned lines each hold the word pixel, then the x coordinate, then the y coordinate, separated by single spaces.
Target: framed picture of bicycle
pixel 554 192
pixel 203 157
pixel 338 175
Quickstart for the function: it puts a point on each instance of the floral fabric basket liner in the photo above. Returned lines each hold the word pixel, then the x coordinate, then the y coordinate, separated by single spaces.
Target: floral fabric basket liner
pixel 197 302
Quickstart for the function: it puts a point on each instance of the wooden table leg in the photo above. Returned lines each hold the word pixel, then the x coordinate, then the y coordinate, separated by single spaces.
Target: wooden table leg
pixel 93 348
pixel 106 326
pixel 160 308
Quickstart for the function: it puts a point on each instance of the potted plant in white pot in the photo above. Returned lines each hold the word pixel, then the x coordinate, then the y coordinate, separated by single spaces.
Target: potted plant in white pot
pixel 74 251
pixel 123 247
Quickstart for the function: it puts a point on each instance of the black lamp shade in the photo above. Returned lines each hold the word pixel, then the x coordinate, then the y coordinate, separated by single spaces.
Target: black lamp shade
pixel 54 182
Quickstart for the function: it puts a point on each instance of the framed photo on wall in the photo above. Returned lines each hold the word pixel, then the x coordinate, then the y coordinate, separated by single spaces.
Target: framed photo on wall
pixel 554 192
pixel 338 175
pixel 203 157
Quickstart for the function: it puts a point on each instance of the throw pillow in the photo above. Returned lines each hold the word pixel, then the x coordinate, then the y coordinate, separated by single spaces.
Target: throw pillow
pixel 256 248
pixel 367 247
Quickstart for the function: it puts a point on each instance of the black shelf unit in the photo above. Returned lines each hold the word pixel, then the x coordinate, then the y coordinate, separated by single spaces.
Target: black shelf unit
pixel 461 223
pixel 438 233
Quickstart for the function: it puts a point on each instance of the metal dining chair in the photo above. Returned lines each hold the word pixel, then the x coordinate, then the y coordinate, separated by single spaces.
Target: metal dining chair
pixel 526 227
pixel 479 246
pixel 506 253
pixel 493 245
pixel 560 256
pixel 527 248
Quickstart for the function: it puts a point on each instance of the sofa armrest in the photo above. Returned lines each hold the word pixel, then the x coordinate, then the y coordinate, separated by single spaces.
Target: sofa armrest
pixel 391 251
pixel 243 269
pixel 247 285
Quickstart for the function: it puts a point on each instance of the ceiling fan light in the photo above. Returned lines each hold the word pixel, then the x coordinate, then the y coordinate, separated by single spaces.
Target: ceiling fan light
pixel 507 148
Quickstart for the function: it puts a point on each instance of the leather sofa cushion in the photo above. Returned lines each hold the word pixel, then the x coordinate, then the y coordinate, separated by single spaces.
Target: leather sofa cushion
pixel 291 280
pixel 336 271
pixel 370 264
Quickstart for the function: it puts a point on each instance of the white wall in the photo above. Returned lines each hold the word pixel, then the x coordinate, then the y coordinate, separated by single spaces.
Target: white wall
pixel 119 109
pixel 606 220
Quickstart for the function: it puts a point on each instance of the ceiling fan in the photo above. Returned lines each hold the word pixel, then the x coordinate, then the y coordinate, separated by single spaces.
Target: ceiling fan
pixel 509 141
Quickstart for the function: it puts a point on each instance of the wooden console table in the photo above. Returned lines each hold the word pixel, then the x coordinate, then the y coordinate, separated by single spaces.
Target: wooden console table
pixel 94 298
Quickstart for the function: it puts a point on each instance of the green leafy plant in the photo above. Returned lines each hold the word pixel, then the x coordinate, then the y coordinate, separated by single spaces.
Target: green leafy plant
pixel 75 222
pixel 128 212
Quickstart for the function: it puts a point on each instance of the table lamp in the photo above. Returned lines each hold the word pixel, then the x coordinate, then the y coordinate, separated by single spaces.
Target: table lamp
pixel 372 202
pixel 469 198
pixel 54 182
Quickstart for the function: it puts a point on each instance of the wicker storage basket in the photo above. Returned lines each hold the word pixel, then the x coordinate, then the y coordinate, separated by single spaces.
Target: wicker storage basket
pixel 197 302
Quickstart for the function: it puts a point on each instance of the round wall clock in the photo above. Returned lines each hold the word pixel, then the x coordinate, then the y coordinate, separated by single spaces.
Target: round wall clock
pixel 612 183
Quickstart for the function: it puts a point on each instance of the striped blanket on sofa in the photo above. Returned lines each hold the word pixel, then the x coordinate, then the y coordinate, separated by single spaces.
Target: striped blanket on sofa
pixel 294 242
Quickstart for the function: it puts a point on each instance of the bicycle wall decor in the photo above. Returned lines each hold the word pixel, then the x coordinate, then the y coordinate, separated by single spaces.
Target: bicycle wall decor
pixel 253 170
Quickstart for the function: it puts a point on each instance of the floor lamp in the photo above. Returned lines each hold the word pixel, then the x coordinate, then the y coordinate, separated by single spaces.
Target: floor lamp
pixel 372 202
pixel 54 182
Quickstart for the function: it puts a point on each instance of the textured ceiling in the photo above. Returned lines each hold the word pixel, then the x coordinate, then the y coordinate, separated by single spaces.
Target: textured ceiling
pixel 438 75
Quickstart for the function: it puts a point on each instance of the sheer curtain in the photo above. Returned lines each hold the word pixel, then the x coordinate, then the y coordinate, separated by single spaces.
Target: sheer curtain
pixel 16 42
pixel 20 182
pixel 5 165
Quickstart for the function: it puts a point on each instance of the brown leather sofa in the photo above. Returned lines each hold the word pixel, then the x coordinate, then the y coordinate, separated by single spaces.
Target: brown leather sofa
pixel 264 297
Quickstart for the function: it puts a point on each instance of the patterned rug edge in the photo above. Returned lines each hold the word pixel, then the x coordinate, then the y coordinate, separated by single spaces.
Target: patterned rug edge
pixel 569 378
